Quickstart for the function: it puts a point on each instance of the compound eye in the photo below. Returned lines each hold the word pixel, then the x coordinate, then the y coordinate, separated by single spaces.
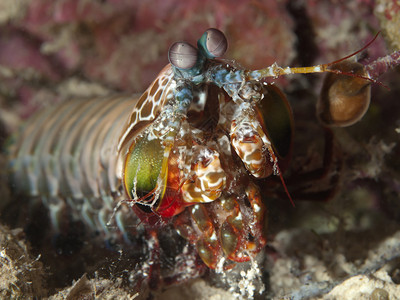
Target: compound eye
pixel 214 43
pixel 182 55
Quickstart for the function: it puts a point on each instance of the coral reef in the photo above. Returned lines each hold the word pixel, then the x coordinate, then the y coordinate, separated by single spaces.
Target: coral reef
pixel 347 247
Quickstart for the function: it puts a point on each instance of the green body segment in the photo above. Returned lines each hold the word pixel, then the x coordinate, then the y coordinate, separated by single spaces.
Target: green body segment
pixel 144 164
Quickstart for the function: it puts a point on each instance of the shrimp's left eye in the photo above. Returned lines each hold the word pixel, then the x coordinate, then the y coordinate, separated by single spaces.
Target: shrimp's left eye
pixel 213 43
pixel 182 55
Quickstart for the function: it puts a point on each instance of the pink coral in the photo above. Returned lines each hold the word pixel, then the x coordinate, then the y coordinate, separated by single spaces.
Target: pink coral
pixel 123 44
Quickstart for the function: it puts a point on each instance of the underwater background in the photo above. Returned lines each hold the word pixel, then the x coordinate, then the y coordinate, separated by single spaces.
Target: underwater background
pixel 345 245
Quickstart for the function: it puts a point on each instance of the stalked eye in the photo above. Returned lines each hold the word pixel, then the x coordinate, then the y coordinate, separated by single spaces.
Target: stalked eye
pixel 213 43
pixel 182 55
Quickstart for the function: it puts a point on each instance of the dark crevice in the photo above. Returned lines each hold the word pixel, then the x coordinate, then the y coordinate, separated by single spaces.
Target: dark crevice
pixel 306 47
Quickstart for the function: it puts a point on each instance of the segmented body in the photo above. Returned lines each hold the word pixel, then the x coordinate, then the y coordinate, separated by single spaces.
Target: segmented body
pixel 67 155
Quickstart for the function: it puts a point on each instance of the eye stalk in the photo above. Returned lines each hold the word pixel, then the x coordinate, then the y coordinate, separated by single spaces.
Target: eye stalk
pixel 182 55
pixel 213 43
